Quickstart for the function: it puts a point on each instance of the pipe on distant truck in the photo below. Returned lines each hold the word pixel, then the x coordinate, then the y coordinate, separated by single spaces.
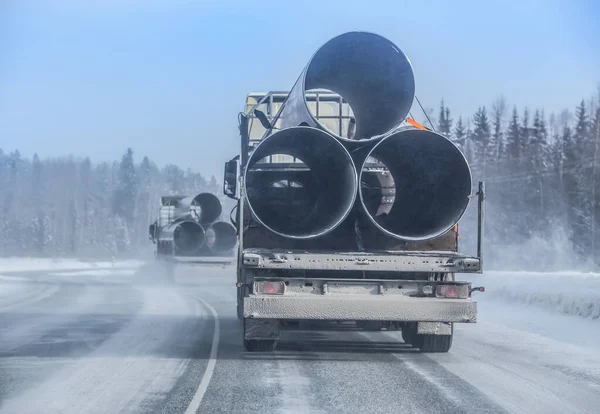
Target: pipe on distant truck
pixel 188 236
pixel 370 72
pixel 431 185
pixel 301 200
pixel 221 236
pixel 208 204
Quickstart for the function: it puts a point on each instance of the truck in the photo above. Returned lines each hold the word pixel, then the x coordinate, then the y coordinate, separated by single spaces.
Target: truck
pixel 322 240
pixel 188 230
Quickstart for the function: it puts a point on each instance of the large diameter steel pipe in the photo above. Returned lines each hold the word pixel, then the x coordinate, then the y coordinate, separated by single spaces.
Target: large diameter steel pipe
pixel 431 181
pixel 188 236
pixel 221 236
pixel 371 73
pixel 210 206
pixel 301 200
pixel 204 207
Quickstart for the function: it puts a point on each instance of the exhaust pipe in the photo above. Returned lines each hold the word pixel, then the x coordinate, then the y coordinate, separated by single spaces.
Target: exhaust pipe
pixel 431 185
pixel 301 200
pixel 204 208
pixel 188 236
pixel 371 73
pixel 221 236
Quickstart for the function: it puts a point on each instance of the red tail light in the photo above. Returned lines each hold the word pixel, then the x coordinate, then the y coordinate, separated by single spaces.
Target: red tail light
pixel 452 291
pixel 270 288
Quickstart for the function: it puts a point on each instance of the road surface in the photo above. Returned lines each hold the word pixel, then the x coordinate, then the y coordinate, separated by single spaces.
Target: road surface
pixel 110 340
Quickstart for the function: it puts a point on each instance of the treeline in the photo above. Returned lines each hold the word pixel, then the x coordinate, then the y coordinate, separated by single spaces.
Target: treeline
pixel 72 207
pixel 542 177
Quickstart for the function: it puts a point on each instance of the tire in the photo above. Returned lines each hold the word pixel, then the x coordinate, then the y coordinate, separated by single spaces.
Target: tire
pixel 433 343
pixel 259 345
pixel 240 311
pixel 408 333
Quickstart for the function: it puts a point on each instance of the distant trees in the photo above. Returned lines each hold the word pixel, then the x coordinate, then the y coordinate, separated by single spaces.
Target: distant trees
pixel 72 207
pixel 543 176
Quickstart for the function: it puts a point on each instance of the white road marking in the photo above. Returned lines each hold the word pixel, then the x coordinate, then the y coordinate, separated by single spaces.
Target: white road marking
pixel 210 367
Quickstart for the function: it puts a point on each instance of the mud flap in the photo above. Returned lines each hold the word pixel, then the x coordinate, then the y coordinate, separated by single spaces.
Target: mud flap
pixel 434 328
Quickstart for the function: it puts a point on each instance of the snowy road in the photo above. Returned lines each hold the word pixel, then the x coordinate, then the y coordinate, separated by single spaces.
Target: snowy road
pixel 97 341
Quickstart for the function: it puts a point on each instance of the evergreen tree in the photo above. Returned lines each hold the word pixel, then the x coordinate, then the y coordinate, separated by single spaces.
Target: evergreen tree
pixel 525 132
pixel 497 141
pixel 482 139
pixel 145 205
pixel 575 184
pixel 175 179
pixel 37 176
pixel 445 122
pixel 582 138
pixel 469 144
pixel 594 134
pixel 460 134
pixel 125 196
pixel 513 138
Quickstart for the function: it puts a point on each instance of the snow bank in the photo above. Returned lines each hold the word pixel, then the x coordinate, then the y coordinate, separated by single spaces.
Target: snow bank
pixel 23 264
pixel 96 272
pixel 571 293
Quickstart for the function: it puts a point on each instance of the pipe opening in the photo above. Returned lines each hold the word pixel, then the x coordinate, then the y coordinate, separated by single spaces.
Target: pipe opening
pixel 431 183
pixel 303 199
pixel 188 236
pixel 221 236
pixel 210 207
pixel 371 73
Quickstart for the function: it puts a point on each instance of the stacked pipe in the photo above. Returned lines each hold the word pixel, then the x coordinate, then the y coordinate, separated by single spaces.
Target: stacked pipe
pixel 195 230
pixel 408 184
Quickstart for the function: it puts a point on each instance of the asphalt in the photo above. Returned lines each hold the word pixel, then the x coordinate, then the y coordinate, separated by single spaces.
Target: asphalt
pixel 77 342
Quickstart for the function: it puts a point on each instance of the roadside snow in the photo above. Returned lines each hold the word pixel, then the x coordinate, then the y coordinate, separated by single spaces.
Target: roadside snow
pixel 96 272
pixel 24 264
pixel 569 293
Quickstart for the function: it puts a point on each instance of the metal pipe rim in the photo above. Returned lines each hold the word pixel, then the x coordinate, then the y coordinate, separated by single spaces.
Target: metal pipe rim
pixel 302 79
pixel 360 192
pixel 356 185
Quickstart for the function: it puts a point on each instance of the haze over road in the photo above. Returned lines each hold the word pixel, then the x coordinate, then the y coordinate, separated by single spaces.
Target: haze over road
pixel 116 339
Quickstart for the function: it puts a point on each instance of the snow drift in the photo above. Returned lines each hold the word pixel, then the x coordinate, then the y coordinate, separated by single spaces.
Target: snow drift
pixel 571 293
pixel 25 264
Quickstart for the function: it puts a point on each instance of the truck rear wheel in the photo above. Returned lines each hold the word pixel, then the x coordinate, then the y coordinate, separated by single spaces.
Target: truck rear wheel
pixel 433 343
pixel 409 333
pixel 259 345
pixel 425 342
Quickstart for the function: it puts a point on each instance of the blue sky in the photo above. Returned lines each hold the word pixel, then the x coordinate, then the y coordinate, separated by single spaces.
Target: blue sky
pixel 168 78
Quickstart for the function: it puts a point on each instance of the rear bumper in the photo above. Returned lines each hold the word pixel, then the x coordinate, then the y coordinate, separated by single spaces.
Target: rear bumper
pixel 348 307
